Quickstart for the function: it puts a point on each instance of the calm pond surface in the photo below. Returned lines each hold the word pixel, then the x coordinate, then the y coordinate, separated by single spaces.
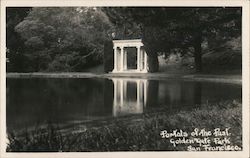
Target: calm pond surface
pixel 32 101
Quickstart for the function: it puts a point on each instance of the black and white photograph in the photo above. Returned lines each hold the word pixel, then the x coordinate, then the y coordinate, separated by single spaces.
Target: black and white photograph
pixel 127 79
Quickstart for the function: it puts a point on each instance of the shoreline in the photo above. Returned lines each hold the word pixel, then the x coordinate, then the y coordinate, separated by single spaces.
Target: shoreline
pixel 233 79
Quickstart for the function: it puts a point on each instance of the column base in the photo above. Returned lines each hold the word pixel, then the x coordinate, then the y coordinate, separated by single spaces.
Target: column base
pixel 128 71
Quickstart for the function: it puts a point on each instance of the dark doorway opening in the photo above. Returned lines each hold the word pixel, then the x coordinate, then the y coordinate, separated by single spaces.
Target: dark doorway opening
pixel 131 58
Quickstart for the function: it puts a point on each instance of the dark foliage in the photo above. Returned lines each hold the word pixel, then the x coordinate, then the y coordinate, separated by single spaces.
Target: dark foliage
pixel 16 61
pixel 73 39
pixel 164 29
pixel 63 39
pixel 108 57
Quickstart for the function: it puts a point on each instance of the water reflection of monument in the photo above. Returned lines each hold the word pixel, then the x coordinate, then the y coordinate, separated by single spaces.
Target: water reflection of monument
pixel 134 96
pixel 130 96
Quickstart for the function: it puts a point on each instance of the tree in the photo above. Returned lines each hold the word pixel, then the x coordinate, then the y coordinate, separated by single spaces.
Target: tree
pixel 164 29
pixel 108 57
pixel 15 45
pixel 64 39
pixel 124 26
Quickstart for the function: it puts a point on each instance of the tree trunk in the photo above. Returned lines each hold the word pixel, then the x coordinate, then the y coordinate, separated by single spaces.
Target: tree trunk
pixel 153 93
pixel 108 57
pixel 153 63
pixel 198 51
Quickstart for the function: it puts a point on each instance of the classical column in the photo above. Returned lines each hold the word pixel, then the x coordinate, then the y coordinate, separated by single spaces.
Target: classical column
pixel 142 60
pixel 145 61
pixel 122 59
pixel 125 59
pixel 138 58
pixel 115 98
pixel 115 59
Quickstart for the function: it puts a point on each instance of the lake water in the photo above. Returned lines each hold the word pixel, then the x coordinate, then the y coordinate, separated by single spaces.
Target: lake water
pixel 33 101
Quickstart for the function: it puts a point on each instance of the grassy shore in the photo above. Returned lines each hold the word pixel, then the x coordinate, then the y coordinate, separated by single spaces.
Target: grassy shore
pixel 137 133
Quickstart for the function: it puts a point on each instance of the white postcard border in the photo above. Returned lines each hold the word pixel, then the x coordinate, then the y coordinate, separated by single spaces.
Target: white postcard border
pixel 180 3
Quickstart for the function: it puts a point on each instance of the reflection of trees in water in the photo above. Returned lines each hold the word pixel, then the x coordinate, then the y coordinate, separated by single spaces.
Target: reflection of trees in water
pixel 174 93
pixel 190 94
pixel 29 100
pixel 179 93
pixel 108 95
pixel 92 96
pixel 85 95
pixel 152 93
pixel 32 100
pixel 167 93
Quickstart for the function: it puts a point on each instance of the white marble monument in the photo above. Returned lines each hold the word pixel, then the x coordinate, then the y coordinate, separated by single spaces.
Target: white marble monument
pixel 120 56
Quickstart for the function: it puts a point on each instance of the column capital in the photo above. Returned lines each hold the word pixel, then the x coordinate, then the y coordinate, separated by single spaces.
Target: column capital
pixel 145 61
pixel 115 47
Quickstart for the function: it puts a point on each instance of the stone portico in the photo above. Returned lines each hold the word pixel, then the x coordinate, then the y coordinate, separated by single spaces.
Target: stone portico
pixel 120 56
